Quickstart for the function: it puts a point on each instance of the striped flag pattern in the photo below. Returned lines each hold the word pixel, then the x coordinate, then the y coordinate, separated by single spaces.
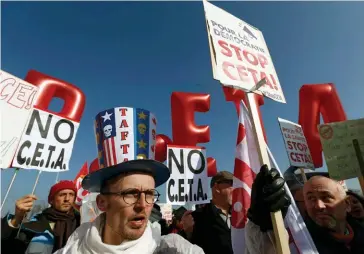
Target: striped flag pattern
pixel 246 167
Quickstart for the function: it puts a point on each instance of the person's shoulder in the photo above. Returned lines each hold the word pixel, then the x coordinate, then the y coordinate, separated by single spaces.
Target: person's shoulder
pixel 202 211
pixel 174 243
pixel 356 225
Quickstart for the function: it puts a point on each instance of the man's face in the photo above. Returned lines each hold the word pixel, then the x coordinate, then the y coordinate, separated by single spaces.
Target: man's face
pixel 225 190
pixel 63 200
pixel 325 204
pixel 128 220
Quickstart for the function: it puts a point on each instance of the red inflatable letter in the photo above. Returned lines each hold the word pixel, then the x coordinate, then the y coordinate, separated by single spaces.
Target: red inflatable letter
pixel 184 129
pixel 74 98
pixel 315 100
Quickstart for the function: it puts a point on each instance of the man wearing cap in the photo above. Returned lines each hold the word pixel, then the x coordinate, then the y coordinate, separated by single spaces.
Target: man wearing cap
pixel 46 232
pixel 209 226
pixel 126 187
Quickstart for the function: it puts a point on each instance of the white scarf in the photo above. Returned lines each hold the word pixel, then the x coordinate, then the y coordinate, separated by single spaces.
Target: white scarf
pixel 87 240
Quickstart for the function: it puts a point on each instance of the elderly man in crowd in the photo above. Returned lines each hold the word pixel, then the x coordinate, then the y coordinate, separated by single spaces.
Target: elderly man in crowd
pixel 127 194
pixel 331 229
pixel 327 207
pixel 47 231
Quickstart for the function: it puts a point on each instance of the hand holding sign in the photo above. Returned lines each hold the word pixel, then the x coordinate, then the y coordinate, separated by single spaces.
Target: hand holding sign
pixel 22 206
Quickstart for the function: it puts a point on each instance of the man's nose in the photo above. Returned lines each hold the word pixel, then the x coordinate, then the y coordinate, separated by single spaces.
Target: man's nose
pixel 141 203
pixel 319 204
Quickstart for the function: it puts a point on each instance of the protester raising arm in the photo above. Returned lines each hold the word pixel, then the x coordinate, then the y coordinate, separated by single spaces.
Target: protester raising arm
pixel 268 195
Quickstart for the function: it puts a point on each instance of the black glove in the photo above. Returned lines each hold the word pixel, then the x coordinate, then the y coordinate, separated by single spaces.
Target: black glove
pixel 268 195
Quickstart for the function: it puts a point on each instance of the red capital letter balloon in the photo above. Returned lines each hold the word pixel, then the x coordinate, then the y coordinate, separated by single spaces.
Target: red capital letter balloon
pixel 313 101
pixel 184 129
pixel 74 98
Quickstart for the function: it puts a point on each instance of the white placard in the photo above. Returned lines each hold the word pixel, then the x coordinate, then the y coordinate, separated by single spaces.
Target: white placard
pixel 188 182
pixel 242 58
pixel 46 143
pixel 296 145
pixel 166 210
pixel 17 98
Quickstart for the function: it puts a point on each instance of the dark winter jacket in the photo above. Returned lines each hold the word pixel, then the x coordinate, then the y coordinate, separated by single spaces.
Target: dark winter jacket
pixel 35 237
pixel 326 244
pixel 210 231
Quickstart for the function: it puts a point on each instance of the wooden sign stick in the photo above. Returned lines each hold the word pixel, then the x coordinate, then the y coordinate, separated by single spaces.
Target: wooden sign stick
pixel 303 174
pixel 282 246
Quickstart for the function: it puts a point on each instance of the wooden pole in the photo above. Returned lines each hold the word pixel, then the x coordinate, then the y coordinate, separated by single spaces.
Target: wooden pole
pixel 33 191
pixel 282 246
pixel 303 174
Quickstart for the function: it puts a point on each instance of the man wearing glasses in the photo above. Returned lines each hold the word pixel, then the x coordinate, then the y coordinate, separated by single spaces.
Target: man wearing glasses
pixel 126 188
pixel 127 194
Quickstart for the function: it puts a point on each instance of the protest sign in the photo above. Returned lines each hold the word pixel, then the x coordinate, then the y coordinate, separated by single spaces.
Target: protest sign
pixel 242 58
pixel 46 143
pixel 188 182
pixel 17 98
pixel 337 144
pixel 166 210
pixel 296 144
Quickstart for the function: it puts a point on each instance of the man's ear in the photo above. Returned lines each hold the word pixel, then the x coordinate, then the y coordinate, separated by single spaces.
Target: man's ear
pixel 101 202
pixel 348 204
pixel 215 189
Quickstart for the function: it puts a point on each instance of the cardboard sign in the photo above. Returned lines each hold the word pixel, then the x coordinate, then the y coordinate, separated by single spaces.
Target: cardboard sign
pixel 241 57
pixel 188 182
pixel 296 144
pixel 337 144
pixel 17 98
pixel 166 210
pixel 46 143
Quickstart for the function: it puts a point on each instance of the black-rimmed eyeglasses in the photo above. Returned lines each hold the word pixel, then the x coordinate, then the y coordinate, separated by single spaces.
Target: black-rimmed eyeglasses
pixel 132 196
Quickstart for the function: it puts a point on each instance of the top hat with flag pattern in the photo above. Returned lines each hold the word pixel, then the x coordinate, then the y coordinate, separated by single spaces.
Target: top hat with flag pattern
pixel 125 140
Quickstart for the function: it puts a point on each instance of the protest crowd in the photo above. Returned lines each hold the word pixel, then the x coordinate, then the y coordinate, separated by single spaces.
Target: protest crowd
pixel 131 221
pixel 253 208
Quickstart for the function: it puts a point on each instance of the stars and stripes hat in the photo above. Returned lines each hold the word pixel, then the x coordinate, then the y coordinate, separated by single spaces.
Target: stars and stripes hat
pixel 126 139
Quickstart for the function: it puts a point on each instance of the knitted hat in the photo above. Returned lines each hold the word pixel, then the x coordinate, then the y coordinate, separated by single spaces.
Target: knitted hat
pixel 61 185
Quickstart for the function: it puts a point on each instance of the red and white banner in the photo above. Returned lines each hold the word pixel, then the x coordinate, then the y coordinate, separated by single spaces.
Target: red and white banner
pixel 81 193
pixel 246 167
